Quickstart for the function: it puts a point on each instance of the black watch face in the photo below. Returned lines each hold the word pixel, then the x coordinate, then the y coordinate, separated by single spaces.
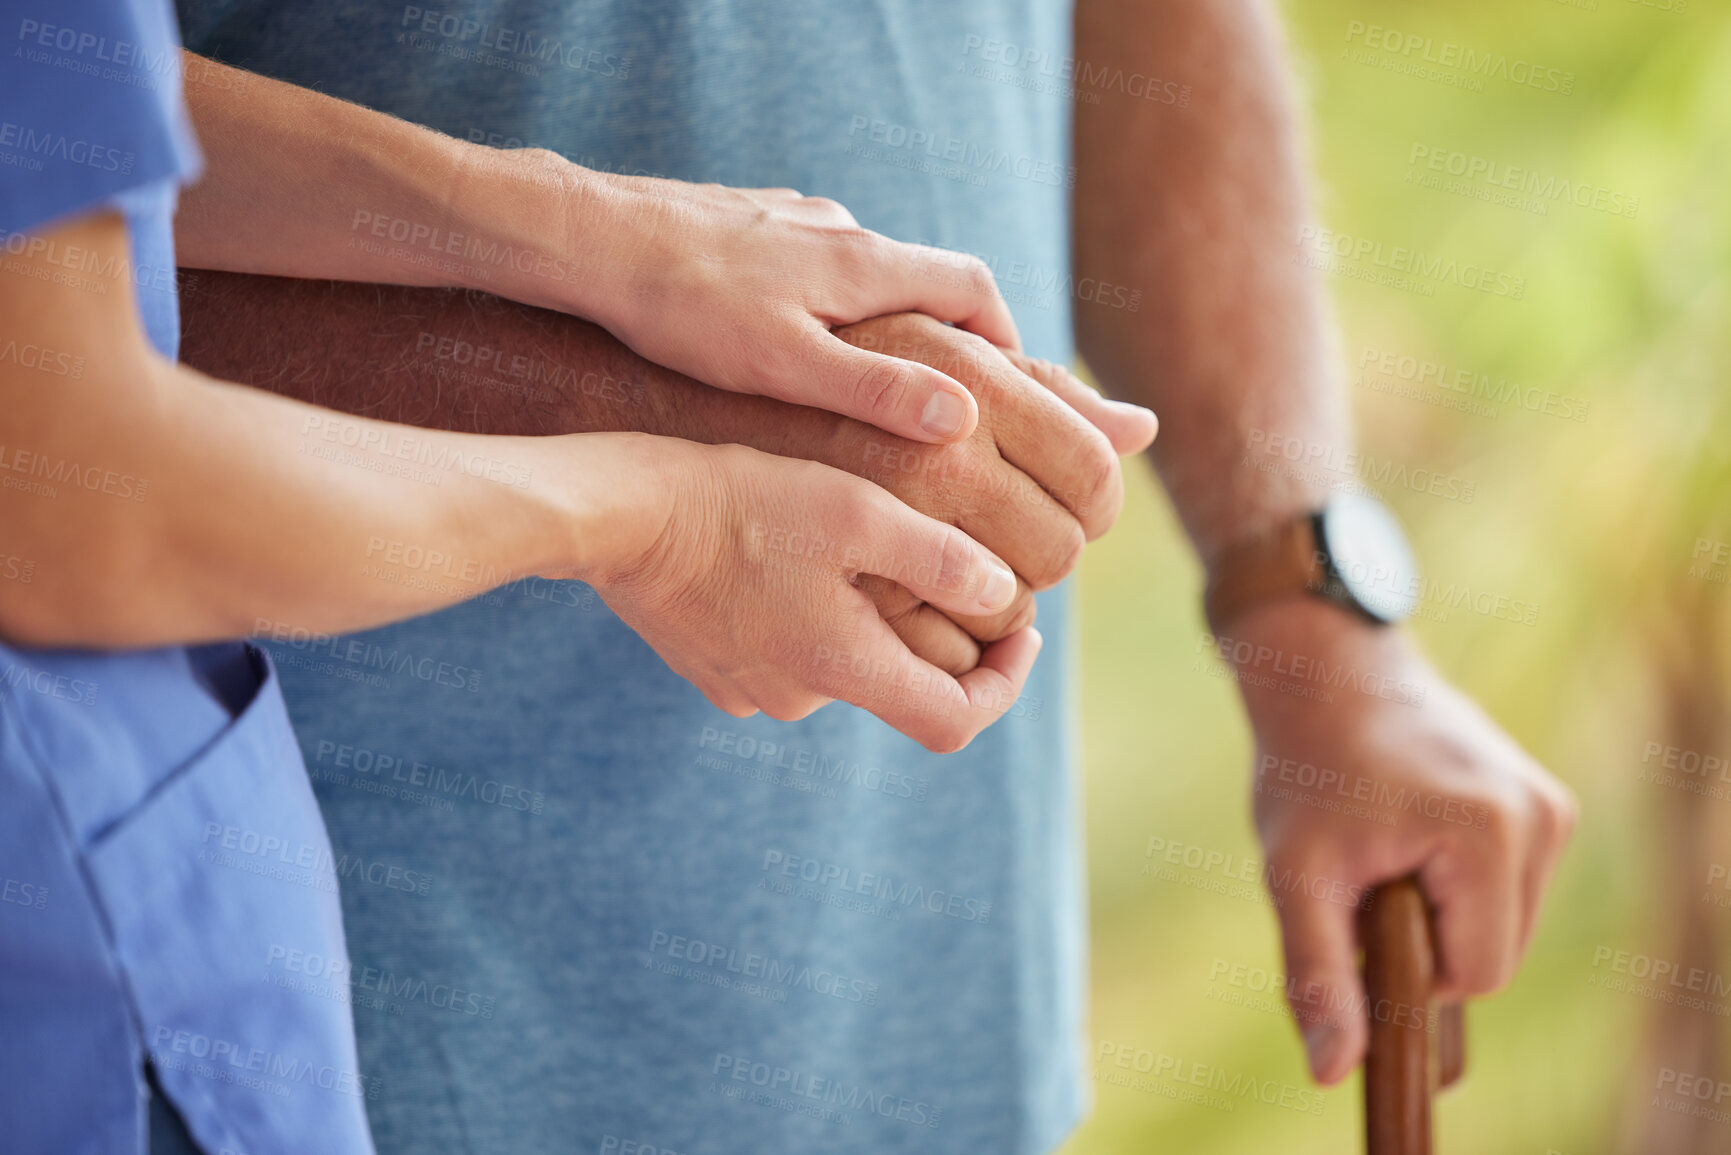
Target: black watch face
pixel 1369 555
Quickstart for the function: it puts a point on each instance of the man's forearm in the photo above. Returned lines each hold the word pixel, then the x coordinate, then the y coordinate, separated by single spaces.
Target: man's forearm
pixel 1200 208
pixel 451 359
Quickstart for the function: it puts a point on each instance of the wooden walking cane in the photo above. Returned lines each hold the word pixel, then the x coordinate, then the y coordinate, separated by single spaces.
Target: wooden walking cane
pixel 1406 1061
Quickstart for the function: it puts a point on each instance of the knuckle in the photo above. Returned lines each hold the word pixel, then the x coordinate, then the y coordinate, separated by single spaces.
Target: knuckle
pixel 792 705
pixel 1058 559
pixel 956 559
pixel 882 387
pixel 1019 616
pixel 1565 810
pixel 1502 824
pixel 1102 484
pixel 827 206
pixel 852 517
pixel 978 277
pixel 1490 973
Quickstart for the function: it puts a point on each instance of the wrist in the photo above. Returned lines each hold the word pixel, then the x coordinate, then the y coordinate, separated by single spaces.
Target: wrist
pixel 1291 655
pixel 538 225
pixel 604 500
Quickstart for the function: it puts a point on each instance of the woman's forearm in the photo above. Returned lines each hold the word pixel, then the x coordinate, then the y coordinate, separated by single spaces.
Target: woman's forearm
pixel 301 184
pixel 160 505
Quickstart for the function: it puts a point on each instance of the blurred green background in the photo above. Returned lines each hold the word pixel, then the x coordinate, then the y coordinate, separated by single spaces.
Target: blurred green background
pixel 1595 521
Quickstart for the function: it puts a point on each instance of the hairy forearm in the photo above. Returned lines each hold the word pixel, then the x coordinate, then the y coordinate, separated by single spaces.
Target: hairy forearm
pixel 1200 208
pixel 459 360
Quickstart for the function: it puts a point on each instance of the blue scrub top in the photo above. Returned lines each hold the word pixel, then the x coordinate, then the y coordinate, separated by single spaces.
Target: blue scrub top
pixel 162 859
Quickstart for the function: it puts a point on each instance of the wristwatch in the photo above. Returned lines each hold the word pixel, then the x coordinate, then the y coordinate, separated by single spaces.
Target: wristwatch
pixel 1351 552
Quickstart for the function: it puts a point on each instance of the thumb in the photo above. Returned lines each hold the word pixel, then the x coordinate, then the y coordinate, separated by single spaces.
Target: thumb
pixel 1323 987
pixel 905 398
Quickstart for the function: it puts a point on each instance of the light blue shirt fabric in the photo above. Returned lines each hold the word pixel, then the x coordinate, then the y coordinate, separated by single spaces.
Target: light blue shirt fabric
pixel 159 842
pixel 647 922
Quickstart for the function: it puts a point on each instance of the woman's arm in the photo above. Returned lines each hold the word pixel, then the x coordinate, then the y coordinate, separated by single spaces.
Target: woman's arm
pixel 163 505
pixel 159 505
pixel 738 288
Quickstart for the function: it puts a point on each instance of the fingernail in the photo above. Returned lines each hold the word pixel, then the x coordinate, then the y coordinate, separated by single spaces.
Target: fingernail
pixel 1000 588
pixel 944 414
pixel 1322 1044
pixel 1128 408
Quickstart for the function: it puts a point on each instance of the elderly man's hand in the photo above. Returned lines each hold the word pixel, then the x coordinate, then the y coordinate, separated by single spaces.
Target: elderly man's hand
pixel 1369 768
pixel 1038 478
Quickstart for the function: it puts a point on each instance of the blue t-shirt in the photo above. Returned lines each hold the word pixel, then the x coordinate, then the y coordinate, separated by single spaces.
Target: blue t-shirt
pixel 161 852
pixel 645 921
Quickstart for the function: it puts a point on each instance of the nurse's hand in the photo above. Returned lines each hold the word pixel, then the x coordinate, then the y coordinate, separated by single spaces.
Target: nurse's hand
pixel 740 289
pixel 742 570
